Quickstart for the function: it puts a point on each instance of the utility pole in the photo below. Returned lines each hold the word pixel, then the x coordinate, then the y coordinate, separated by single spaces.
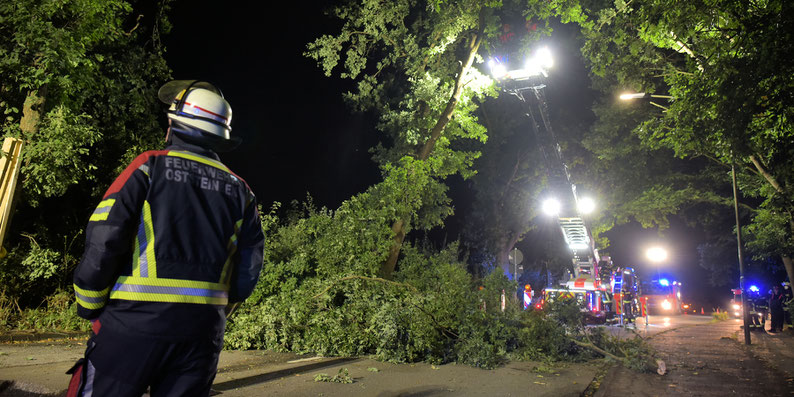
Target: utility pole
pixel 741 254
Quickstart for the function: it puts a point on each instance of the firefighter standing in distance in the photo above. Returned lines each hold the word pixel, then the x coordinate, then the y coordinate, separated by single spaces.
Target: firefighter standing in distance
pixel 756 309
pixel 175 240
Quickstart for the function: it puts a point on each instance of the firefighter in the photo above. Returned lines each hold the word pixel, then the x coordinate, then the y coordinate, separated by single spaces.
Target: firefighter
pixel 776 309
pixel 628 304
pixel 762 307
pixel 175 242
pixel 756 309
pixel 788 296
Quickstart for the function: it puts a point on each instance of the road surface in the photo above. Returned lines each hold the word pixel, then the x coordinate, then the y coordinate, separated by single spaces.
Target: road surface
pixel 657 324
pixel 705 358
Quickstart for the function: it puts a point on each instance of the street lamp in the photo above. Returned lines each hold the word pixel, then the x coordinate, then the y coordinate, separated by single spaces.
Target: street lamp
pixel 642 95
pixel 656 255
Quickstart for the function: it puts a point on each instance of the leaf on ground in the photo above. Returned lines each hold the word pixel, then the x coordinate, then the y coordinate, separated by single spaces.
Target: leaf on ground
pixel 373 369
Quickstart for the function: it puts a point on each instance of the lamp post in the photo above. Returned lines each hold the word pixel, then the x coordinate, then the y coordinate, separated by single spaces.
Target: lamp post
pixel 740 251
pixel 741 255
pixel 642 95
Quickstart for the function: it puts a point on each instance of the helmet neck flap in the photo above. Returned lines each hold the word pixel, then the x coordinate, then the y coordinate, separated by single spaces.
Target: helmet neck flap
pixel 195 136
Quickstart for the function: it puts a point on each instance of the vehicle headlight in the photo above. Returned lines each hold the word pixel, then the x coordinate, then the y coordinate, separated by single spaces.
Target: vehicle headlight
pixel 736 307
pixel 666 305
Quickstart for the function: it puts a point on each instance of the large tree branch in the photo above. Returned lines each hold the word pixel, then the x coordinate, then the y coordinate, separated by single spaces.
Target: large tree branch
pixel 766 174
pixel 449 110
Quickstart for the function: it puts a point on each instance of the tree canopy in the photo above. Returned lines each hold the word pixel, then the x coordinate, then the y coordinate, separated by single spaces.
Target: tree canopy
pixel 725 67
pixel 79 82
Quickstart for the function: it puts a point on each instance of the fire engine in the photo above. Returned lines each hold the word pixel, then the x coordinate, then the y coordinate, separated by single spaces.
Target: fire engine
pixel 663 295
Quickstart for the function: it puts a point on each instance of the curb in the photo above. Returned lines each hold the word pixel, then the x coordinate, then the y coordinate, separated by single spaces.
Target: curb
pixel 23 336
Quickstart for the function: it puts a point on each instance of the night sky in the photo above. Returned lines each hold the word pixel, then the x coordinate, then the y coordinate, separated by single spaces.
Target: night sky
pixel 300 138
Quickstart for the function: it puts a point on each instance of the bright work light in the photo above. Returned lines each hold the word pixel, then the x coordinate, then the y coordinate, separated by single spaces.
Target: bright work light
pixel 586 205
pixel 537 65
pixel 498 69
pixel 551 207
pixel 656 254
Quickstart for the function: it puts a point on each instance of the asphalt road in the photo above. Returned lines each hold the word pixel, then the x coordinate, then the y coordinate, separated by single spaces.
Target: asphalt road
pixel 658 324
pixel 705 358
pixel 39 370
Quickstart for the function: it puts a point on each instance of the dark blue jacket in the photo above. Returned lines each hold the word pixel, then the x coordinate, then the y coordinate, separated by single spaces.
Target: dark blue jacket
pixel 175 239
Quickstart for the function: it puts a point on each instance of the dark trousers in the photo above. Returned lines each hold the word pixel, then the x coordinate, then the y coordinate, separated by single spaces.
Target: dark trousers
pixel 777 318
pixel 121 365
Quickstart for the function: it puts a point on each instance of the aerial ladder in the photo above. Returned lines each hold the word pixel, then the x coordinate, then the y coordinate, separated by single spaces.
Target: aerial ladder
pixel 528 86
pixel 594 287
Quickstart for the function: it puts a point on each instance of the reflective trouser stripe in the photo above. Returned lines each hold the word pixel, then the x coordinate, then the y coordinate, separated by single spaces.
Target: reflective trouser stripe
pixel 88 388
pixel 169 290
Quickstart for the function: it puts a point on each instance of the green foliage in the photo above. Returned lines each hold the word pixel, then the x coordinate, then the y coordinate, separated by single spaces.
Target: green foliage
pixel 7 309
pixel 58 314
pixel 343 376
pixel 57 157
pixel 412 66
pixel 727 103
pixel 721 316
pixel 634 352
pixel 79 81
pixel 319 293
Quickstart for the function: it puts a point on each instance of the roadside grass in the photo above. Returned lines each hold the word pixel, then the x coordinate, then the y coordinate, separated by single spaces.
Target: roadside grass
pixel 721 316
pixel 57 313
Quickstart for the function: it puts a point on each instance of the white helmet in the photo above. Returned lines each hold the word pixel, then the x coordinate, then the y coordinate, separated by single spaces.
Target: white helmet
pixel 199 113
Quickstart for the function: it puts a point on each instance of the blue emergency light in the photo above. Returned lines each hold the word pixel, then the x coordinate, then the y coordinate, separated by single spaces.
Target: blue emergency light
pixel 753 288
pixel 664 282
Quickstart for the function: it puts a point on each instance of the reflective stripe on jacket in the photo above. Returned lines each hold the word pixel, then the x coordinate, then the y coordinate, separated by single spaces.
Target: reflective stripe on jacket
pixel 176 237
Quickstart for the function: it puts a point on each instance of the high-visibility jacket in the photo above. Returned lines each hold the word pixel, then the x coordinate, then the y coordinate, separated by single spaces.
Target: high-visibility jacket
pixel 175 238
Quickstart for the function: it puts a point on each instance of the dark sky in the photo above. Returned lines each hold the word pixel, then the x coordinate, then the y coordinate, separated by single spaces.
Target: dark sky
pixel 299 137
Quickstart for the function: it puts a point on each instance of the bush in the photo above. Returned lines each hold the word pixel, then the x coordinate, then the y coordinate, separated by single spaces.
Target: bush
pixel 7 306
pixel 58 314
pixel 721 316
pixel 320 293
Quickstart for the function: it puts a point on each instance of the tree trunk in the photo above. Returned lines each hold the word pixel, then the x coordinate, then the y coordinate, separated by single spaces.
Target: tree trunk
pixel 32 111
pixel 503 256
pixel 400 226
pixel 788 263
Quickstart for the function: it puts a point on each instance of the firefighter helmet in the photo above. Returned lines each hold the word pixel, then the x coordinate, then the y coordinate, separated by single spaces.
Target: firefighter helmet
pixel 199 114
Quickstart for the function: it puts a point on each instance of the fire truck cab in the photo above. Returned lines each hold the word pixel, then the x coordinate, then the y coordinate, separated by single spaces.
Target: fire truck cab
pixel 663 296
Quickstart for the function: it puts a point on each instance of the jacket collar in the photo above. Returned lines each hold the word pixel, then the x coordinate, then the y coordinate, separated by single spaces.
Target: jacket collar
pixel 175 143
